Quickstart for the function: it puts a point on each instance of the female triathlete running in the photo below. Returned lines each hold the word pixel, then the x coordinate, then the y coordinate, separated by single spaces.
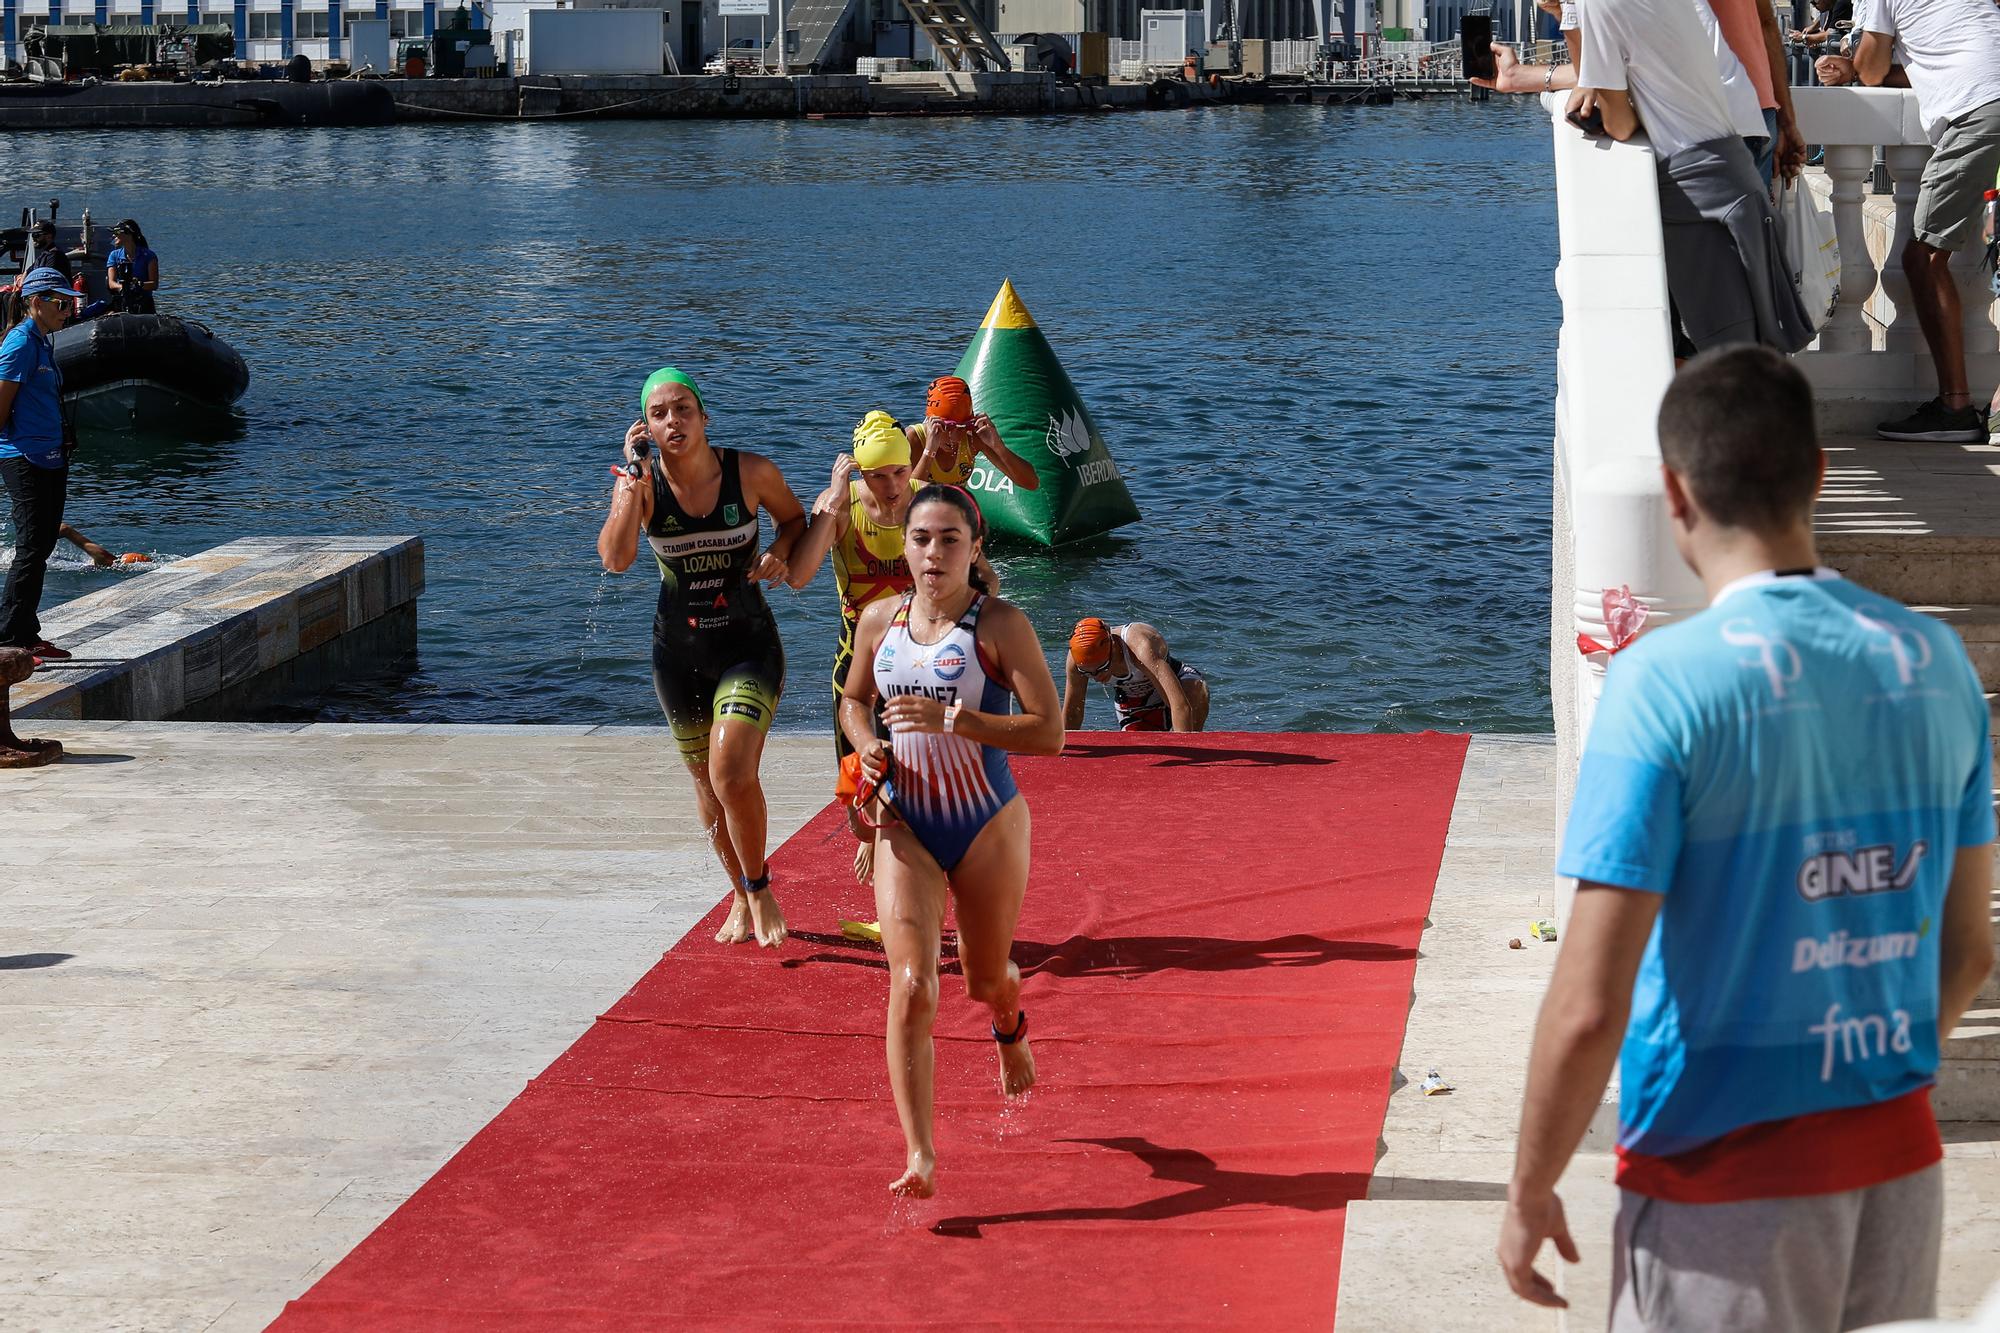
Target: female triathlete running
pixel 944 660
pixel 861 521
pixel 717 664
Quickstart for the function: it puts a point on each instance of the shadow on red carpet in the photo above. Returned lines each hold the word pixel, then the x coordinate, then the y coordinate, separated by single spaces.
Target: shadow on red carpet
pixel 1218 943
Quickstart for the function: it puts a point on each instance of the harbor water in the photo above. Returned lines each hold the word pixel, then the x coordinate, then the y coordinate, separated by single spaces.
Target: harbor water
pixel 1283 320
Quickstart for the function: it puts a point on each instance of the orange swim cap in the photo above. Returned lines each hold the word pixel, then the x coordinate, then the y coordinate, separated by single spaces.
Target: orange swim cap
pixel 950 399
pixel 1090 641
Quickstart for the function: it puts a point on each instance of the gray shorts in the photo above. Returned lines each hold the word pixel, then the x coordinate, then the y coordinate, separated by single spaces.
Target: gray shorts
pixel 1957 178
pixel 1809 1265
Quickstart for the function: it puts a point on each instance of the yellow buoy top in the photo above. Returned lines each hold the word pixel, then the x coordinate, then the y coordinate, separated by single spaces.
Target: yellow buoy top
pixel 1007 312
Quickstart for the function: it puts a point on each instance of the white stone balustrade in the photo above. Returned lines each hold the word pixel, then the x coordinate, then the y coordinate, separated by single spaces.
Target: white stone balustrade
pixel 1614 357
pixel 1872 348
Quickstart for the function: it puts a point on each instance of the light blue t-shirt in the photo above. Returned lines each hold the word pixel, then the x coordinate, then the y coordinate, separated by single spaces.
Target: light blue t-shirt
pixel 1794 770
pixel 34 428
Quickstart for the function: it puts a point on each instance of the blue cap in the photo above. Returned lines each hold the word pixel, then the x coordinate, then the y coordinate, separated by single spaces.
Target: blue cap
pixel 47 282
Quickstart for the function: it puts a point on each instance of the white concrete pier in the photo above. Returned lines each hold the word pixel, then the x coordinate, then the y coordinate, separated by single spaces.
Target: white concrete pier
pixel 218 634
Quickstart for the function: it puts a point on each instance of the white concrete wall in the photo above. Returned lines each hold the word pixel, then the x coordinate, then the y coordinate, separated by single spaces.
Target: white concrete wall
pixel 596 41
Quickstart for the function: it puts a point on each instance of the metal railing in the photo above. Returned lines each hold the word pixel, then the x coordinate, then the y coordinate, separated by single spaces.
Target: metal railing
pixel 1292 57
pixel 1420 62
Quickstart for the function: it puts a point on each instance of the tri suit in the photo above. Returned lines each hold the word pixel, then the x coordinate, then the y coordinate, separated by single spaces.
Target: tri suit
pixel 715 646
pixel 945 787
pixel 868 565
pixel 955 470
pixel 1136 695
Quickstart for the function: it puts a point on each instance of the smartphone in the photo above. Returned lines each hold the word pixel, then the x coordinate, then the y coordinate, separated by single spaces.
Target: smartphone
pixel 1592 124
pixel 1475 46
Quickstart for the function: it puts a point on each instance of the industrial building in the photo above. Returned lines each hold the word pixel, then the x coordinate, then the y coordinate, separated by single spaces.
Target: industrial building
pixel 264 29
pixel 824 35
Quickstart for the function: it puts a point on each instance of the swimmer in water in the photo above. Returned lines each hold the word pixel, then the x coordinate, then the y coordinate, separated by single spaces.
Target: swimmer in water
pixel 98 555
pixel 718 667
pixel 944 660
pixel 862 523
pixel 1151 689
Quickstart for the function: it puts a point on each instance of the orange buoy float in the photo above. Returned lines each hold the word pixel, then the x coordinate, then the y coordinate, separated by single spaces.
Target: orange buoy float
pixel 135 558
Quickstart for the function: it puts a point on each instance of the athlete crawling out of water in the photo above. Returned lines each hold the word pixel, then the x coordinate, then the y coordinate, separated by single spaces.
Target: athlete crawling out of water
pixel 944 658
pixel 718 667
pixel 1151 689
pixel 16 665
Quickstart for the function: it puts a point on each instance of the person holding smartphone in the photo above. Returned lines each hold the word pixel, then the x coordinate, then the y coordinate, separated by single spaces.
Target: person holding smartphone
pixel 1509 75
pixel 718 666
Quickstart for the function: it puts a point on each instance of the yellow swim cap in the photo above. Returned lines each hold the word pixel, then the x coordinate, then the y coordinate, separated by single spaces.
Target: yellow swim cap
pixel 880 442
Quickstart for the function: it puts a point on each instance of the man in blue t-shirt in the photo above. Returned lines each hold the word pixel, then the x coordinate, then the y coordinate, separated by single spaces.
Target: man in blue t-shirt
pixel 34 459
pixel 1782 837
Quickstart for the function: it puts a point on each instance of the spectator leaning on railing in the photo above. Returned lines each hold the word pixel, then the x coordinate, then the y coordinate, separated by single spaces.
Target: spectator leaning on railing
pixel 1758 96
pixel 1661 62
pixel 1665 62
pixel 1949 54
pixel 1826 13
pixel 1761 117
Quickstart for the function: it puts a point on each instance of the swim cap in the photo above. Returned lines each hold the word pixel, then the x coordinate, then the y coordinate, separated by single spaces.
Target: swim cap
pixel 880 442
pixel 949 400
pixel 668 375
pixel 1090 641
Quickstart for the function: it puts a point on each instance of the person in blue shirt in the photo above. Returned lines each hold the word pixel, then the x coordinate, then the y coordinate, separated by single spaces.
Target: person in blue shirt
pixel 1782 837
pixel 34 455
pixel 131 270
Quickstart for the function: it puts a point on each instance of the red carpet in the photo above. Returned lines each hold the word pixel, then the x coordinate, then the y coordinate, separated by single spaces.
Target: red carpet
pixel 1219 938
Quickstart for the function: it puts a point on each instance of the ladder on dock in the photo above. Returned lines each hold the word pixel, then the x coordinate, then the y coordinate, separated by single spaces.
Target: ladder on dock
pixel 962 41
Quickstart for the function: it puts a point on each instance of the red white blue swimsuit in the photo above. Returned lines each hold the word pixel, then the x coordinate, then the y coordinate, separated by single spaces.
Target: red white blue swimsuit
pixel 944 787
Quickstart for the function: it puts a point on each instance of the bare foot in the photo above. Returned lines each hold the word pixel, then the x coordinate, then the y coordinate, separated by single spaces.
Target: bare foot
pixel 920 1180
pixel 737 928
pixel 864 863
pixel 1017 1068
pixel 30 754
pixel 767 919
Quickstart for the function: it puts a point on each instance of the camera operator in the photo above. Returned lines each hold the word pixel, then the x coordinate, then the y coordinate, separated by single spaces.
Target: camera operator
pixel 132 270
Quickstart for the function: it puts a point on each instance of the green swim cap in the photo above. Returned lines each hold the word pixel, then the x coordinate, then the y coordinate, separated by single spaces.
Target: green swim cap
pixel 669 375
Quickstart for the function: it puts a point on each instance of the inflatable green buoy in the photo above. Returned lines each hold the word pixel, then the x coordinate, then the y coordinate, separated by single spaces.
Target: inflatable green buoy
pixel 1017 381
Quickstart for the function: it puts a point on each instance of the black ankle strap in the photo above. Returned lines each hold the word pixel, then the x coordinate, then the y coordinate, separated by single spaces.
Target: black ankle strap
pixel 760 884
pixel 1020 1030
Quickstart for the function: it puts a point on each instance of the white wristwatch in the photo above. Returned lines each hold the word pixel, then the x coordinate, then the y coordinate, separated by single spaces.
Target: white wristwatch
pixel 951 712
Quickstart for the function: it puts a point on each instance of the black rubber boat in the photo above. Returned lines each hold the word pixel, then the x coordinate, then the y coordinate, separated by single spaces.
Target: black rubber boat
pixel 124 372
pixel 147 373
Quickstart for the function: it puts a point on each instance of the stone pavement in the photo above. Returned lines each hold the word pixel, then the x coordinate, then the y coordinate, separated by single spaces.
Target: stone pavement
pixel 1419 1249
pixel 258 983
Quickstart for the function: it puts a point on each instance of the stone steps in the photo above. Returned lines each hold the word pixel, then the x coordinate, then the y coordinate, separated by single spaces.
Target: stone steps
pixel 1917 522
pixel 1921 523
